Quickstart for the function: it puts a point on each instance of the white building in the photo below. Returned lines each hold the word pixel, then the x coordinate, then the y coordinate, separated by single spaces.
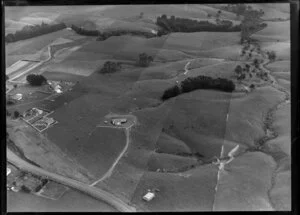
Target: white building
pixel 149 196
pixel 17 96
pixel 8 171
pixel 118 121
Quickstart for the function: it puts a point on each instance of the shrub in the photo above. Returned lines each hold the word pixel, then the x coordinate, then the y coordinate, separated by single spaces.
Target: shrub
pixel 238 70
pixel 272 55
pixel 144 60
pixel 10 102
pixel 16 114
pixel 36 80
pixel 110 67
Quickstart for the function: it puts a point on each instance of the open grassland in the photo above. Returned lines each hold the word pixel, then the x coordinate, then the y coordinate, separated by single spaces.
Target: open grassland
pixel 168 162
pixel 199 123
pixel 96 151
pixel 71 201
pixel 275 31
pixel 280 66
pixel 170 145
pixel 249 173
pixel 41 150
pixel 178 193
pixel 273 10
pixel 246 127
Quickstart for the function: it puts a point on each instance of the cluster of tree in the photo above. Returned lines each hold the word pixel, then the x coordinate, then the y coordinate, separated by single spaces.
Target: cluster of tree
pixel 29 31
pixel 85 32
pixel 199 82
pixel 144 60
pixel 175 24
pixel 171 92
pixel 107 34
pixel 241 72
pixel 36 80
pixel 110 67
pixel 240 9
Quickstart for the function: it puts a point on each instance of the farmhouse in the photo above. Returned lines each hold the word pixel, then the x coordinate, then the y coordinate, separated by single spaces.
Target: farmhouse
pixel 118 121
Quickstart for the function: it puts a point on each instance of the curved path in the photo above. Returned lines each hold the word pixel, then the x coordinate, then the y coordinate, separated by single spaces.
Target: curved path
pixel 109 172
pixel 92 191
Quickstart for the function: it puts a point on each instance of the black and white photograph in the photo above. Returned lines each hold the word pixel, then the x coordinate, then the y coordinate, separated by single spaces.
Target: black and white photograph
pixel 148 107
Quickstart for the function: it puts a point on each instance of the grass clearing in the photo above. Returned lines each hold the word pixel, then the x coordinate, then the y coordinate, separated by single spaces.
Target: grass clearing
pixel 177 193
pixel 235 184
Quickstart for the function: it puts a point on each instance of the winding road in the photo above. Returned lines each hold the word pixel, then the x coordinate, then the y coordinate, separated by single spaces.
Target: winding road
pixel 92 191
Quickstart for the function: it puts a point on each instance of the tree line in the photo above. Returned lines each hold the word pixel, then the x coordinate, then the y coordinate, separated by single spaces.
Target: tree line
pixel 199 82
pixel 30 31
pixel 112 67
pixel 176 24
pixel 105 35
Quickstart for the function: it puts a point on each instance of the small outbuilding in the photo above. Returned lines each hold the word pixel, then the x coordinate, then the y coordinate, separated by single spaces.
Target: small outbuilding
pixel 149 196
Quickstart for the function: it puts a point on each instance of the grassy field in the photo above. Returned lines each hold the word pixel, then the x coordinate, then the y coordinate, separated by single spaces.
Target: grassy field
pixel 71 201
pixel 100 148
pixel 280 66
pixel 245 127
pixel 41 150
pixel 177 193
pixel 275 31
pixel 161 161
pixel 249 173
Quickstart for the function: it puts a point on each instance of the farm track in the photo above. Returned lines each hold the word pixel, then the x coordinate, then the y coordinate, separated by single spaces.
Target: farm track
pixel 110 171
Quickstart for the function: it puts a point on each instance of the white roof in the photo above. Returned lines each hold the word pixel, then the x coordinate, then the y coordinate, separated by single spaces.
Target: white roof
pixel 149 196
pixel 8 171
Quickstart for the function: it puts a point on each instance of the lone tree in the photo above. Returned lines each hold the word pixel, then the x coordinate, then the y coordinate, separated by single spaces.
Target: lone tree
pixel 16 114
pixel 238 70
pixel 141 15
pixel 36 80
pixel 272 55
pixel 256 62
pixel 144 60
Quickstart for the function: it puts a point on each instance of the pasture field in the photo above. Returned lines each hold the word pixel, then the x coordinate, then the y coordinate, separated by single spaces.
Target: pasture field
pixel 235 183
pixel 245 127
pixel 280 66
pixel 274 32
pixel 47 154
pixel 193 193
pixel 71 201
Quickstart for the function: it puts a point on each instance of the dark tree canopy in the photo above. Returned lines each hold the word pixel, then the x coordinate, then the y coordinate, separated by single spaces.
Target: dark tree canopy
pixel 144 60
pixel 199 82
pixel 36 80
pixel 33 31
pixel 176 24
pixel 110 67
